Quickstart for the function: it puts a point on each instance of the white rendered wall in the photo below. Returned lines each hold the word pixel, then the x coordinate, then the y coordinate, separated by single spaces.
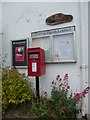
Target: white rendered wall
pixel 0 29
pixel 0 56
pixel 84 52
pixel 0 36
pixel 89 54
pixel 20 19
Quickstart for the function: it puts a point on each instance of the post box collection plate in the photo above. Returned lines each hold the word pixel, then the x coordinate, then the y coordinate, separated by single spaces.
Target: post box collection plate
pixel 34 67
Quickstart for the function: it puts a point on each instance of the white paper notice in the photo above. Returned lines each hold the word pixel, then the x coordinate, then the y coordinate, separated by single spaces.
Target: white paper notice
pixel 63 47
pixel 34 67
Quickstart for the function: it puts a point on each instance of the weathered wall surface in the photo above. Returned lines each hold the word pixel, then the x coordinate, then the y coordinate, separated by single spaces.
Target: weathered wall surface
pixel 20 19
pixel 89 54
pixel 0 28
pixel 0 36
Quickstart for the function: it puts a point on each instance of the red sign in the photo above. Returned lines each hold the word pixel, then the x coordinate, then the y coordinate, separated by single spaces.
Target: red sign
pixel 19 53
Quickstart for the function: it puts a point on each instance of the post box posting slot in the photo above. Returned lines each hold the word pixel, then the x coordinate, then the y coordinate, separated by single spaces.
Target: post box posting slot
pixel 36 62
pixel 33 56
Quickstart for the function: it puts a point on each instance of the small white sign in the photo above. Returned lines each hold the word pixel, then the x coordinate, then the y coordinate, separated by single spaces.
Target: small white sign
pixel 34 67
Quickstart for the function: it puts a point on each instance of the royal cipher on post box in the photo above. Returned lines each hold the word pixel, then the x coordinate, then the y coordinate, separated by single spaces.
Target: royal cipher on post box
pixel 36 62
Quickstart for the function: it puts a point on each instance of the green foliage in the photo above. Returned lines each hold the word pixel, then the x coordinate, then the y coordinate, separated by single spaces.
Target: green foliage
pixel 60 104
pixel 62 101
pixel 40 107
pixel 15 89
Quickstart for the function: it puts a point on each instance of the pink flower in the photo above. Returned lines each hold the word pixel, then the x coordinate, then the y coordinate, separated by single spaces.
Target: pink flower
pixel 63 107
pixel 68 87
pixel 46 94
pixel 66 77
pixel 60 79
pixel 57 78
pixel 52 82
pixel 61 84
pixel 85 91
pixel 62 93
pixel 77 96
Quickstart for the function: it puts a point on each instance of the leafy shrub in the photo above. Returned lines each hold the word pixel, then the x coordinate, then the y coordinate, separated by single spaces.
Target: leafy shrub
pixel 15 89
pixel 40 106
pixel 61 98
pixel 65 104
pixel 62 103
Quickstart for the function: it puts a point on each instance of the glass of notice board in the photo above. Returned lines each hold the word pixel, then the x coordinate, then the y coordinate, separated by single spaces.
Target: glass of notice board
pixel 63 48
pixel 59 44
pixel 44 43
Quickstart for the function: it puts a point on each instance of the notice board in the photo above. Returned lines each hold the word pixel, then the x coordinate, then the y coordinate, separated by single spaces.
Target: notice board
pixel 59 44
pixel 19 52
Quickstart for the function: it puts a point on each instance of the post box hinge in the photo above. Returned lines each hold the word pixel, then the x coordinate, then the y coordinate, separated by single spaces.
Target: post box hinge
pixel 83 66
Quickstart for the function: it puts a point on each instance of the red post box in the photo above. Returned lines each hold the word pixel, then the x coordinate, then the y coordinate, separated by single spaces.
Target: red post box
pixel 36 61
